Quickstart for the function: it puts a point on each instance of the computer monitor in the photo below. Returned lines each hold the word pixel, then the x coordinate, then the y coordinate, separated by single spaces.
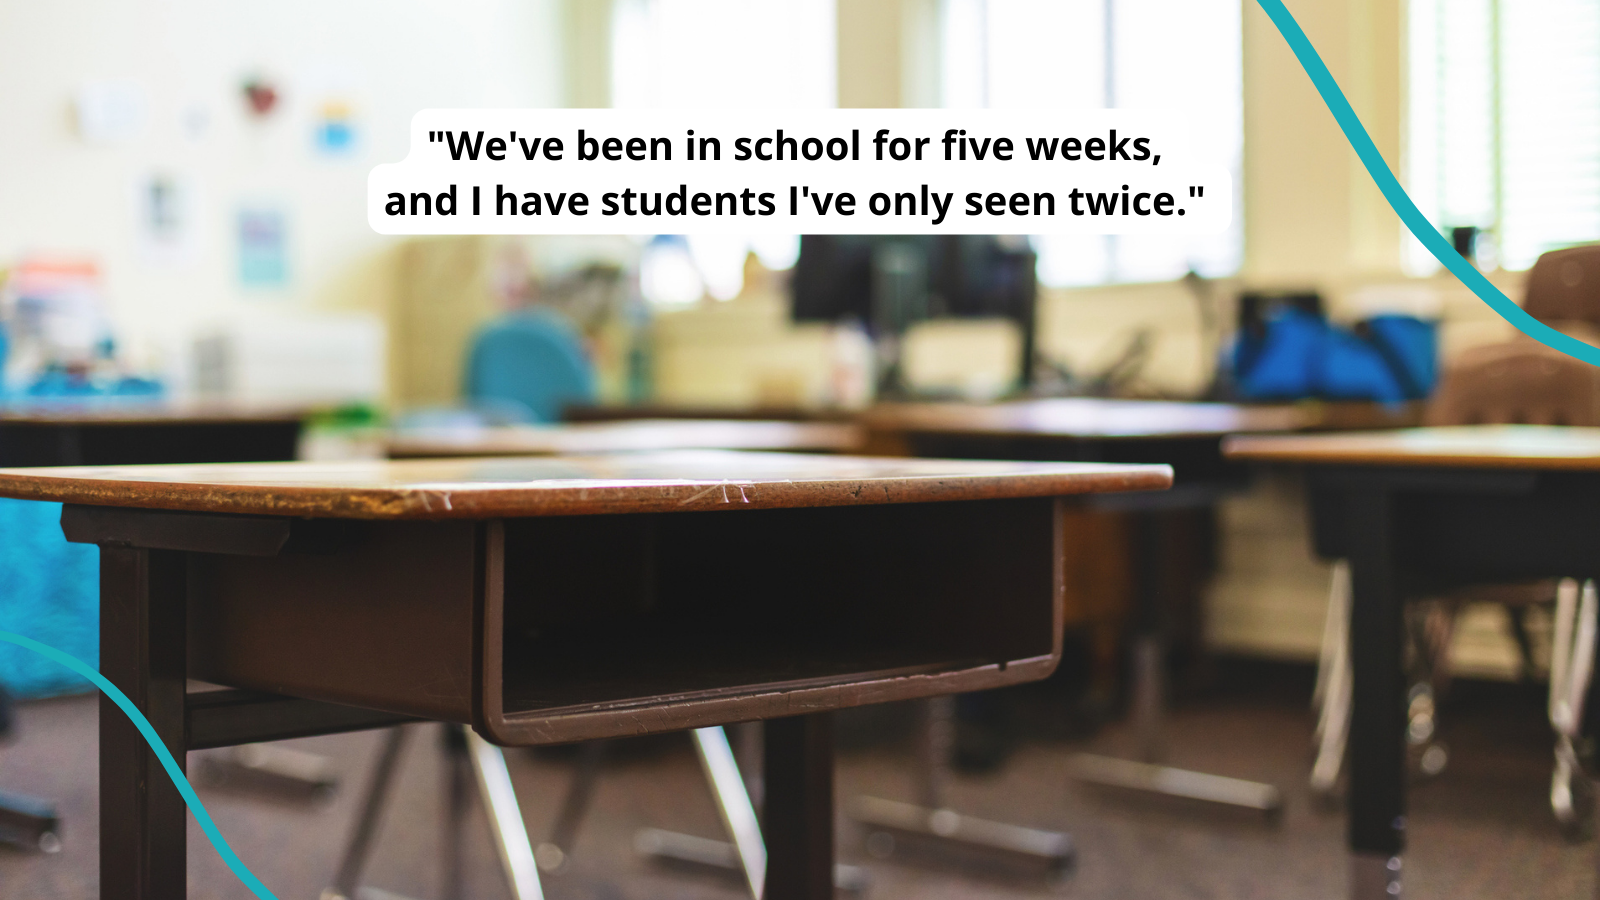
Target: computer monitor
pixel 888 282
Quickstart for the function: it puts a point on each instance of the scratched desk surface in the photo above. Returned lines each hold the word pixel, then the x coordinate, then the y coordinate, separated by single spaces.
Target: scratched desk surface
pixel 577 485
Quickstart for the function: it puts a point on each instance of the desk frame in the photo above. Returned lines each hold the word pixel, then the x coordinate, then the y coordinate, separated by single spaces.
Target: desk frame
pixel 149 561
pixel 1407 532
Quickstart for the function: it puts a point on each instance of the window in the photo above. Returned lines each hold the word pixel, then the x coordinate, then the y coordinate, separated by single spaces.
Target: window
pixel 723 53
pixel 720 54
pixel 1074 54
pixel 1503 129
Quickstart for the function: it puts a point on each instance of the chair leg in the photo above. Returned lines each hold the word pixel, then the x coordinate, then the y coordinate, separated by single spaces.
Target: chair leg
pixel 1333 686
pixel 747 854
pixel 1571 669
pixel 466 755
pixel 505 817
pixel 370 820
pixel 29 823
pixel 941 832
pixel 553 854
pixel 733 804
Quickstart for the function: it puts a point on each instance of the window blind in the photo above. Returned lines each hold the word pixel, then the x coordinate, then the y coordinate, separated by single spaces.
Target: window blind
pixel 723 54
pixel 1076 54
pixel 1503 123
pixel 714 54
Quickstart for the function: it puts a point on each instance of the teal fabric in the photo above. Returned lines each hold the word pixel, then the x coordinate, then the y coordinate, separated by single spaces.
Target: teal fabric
pixel 532 361
pixel 49 591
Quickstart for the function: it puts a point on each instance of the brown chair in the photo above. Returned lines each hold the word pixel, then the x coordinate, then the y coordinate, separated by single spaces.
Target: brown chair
pixel 1564 286
pixel 1518 382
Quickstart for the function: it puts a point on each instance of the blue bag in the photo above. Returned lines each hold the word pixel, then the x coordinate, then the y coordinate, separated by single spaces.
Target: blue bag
pixel 1297 354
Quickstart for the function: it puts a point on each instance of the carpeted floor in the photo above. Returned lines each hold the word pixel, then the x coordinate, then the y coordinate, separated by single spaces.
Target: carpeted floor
pixel 1481 830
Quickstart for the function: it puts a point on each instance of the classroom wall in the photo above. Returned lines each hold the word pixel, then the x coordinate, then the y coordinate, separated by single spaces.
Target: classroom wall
pixel 1312 217
pixel 60 194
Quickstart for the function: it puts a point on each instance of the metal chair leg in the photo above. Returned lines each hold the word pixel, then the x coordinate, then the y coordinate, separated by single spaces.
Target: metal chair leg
pixel 935 827
pixel 466 755
pixel 1571 670
pixel 1332 694
pixel 29 823
pixel 505 817
pixel 272 769
pixel 368 822
pixel 553 854
pixel 747 854
pixel 1149 775
pixel 733 804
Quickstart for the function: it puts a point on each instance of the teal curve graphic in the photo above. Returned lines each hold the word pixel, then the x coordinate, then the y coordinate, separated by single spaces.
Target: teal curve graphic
pixel 1400 201
pixel 154 740
pixel 1359 140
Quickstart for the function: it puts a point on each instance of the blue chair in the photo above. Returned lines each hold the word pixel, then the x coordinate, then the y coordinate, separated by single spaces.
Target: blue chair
pixel 49 591
pixel 532 359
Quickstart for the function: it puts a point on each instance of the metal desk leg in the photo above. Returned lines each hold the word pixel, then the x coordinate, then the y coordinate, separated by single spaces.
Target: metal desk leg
pixel 1149 707
pixel 1378 699
pixel 143 829
pixel 505 817
pixel 936 827
pixel 798 774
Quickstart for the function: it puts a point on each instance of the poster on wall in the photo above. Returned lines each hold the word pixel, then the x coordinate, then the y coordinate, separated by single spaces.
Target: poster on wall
pixel 166 207
pixel 334 131
pixel 263 247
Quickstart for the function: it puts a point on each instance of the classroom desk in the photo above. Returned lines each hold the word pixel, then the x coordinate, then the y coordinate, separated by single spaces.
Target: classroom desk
pixel 601 412
pixel 624 436
pixel 1188 437
pixel 546 600
pixel 121 431
pixel 1083 418
pixel 1415 511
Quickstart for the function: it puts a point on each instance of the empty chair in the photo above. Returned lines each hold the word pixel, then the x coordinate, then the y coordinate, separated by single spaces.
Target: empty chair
pixel 534 359
pixel 49 591
pixel 1564 286
pixel 1519 382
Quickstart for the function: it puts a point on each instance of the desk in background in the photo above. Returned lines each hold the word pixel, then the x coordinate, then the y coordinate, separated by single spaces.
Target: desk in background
pixel 115 431
pixel 101 432
pixel 344 596
pixel 624 412
pixel 1143 558
pixel 625 436
pixel 1419 510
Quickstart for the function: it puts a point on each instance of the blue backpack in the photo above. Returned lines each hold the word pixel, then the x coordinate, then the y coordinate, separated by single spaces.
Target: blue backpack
pixel 1298 354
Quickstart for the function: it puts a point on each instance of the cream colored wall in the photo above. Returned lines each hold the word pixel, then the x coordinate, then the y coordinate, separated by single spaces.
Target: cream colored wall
pixel 62 195
pixel 1313 219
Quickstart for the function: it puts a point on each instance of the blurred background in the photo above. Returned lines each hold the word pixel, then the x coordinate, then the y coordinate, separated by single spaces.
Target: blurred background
pixel 181 190
pixel 182 221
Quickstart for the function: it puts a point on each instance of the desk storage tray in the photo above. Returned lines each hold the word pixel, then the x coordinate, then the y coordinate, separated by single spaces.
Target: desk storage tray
pixel 563 628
